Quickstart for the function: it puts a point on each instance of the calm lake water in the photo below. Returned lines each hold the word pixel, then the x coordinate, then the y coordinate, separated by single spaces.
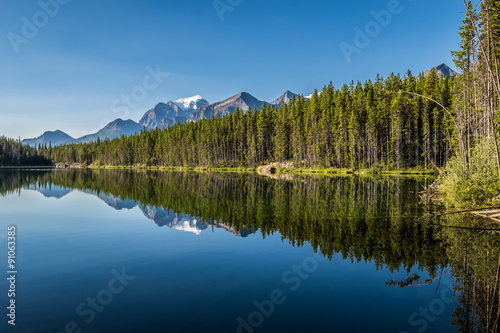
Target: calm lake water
pixel 121 251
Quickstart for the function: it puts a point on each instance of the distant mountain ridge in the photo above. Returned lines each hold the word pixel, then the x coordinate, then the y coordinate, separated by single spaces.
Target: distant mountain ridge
pixel 284 99
pixel 50 137
pixel 112 130
pixel 243 100
pixel 443 70
pixel 154 117
pixel 192 108
pixel 167 114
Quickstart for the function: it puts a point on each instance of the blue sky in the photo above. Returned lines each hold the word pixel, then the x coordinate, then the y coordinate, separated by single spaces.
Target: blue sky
pixel 72 72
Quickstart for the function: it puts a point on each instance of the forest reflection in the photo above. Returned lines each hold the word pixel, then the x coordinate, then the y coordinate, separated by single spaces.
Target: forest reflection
pixel 362 218
pixel 474 253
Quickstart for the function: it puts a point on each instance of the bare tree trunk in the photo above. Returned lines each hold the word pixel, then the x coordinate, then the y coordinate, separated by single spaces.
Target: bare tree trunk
pixel 489 67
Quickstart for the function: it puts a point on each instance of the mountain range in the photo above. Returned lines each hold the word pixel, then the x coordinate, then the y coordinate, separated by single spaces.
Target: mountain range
pixel 183 110
pixel 243 100
pixel 163 115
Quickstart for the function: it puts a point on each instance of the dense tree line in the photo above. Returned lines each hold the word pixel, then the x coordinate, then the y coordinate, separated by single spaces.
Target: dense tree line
pixel 14 153
pixel 376 124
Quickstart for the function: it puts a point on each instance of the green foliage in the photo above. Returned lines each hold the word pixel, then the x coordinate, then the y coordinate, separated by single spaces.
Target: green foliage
pixel 475 183
pixel 14 153
pixel 473 175
pixel 371 125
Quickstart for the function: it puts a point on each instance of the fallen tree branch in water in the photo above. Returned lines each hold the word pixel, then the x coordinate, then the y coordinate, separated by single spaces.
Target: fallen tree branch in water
pixel 414 278
pixel 465 211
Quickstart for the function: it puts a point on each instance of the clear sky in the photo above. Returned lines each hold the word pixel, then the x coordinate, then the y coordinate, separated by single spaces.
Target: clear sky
pixel 69 66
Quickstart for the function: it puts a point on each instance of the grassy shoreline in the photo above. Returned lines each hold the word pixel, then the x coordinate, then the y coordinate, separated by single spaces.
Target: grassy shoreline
pixel 278 171
pixel 357 172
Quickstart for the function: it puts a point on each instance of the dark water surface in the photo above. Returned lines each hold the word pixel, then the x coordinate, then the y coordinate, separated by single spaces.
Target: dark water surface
pixel 121 251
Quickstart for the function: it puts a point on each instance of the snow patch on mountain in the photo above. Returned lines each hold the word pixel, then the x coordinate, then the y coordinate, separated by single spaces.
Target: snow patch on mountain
pixel 310 96
pixel 191 103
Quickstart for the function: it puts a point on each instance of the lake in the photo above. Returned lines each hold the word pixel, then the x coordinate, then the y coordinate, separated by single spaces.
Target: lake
pixel 124 251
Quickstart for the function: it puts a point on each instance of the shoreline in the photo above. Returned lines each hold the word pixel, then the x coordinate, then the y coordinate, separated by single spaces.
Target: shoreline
pixel 264 170
pixel 272 170
pixel 31 167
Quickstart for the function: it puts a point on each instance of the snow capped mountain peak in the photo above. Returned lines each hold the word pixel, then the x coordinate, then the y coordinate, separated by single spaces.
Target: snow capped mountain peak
pixel 192 103
pixel 310 96
pixel 189 99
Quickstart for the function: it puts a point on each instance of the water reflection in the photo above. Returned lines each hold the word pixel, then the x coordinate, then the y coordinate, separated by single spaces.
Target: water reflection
pixel 474 254
pixel 362 218
pixel 163 217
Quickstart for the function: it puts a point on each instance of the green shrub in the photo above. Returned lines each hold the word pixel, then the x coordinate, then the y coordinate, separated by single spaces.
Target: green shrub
pixel 476 184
